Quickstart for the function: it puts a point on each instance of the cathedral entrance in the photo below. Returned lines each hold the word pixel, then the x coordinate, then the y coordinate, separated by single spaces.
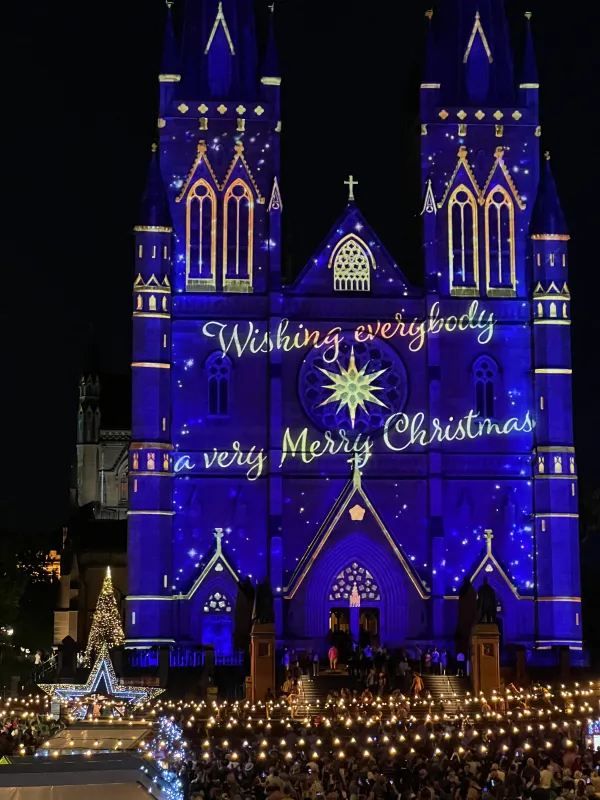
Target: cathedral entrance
pixel 339 620
pixel 369 623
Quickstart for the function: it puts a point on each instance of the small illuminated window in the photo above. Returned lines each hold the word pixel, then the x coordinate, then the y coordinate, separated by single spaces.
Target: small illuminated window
pixel 150 462
pixel 558 465
pixel 541 465
pixel 152 303
pixel 217 603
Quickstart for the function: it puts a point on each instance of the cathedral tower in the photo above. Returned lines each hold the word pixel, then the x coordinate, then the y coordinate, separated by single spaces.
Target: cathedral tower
pixel 150 457
pixel 556 517
pixel 210 233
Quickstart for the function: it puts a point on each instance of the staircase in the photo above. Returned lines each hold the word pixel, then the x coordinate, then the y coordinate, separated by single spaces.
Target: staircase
pixel 447 693
pixel 314 691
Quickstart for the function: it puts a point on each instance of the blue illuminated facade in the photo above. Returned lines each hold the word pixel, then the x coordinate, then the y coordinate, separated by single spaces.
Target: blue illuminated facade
pixel 366 444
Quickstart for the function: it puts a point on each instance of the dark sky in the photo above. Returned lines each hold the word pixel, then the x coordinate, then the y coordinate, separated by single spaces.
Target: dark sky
pixel 80 108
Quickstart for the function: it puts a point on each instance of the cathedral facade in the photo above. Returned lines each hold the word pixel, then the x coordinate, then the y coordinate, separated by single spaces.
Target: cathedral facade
pixel 368 446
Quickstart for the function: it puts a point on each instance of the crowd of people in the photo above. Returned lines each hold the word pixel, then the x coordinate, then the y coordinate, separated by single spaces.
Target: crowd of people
pixel 22 735
pixel 355 752
pixel 372 670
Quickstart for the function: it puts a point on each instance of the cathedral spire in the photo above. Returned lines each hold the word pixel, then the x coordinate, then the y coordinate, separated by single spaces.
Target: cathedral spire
pixel 473 52
pixel 270 72
pixel 529 69
pixel 170 67
pixel 154 211
pixel 431 78
pixel 548 218
pixel 529 85
pixel 219 49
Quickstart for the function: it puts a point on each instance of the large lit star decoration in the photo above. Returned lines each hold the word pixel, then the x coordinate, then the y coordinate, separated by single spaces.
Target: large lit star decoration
pixel 102 672
pixel 353 387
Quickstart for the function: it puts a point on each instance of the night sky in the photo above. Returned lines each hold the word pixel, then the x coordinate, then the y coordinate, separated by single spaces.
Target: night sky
pixel 80 108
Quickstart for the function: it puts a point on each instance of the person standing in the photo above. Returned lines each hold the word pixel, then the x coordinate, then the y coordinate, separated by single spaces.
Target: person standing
pixel 315 664
pixel 417 685
pixel 435 661
pixel 460 664
pixel 333 657
pixel 443 662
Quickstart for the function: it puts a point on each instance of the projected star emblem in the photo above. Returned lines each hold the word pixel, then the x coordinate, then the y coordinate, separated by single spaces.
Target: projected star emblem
pixel 353 388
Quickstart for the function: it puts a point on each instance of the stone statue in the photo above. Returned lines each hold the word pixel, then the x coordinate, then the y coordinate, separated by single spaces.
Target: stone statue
pixel 262 612
pixel 486 603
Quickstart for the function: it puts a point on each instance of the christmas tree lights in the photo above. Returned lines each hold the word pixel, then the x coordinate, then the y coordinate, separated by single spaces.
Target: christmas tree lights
pixel 107 628
pixel 167 750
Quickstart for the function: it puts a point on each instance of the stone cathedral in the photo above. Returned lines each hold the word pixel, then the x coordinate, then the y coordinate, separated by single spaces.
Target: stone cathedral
pixel 368 446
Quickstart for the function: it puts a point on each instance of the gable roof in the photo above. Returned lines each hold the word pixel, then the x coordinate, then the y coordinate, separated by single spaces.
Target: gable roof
pixel 352 223
pixel 489 563
pixel 352 492
pixel 218 562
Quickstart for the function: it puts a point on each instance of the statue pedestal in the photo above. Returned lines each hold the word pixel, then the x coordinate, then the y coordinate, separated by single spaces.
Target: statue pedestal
pixel 262 660
pixel 485 658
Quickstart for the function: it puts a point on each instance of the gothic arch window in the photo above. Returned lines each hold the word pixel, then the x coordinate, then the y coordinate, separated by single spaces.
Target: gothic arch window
pixel 151 462
pixel 238 237
pixel 463 242
pixel 355 580
pixel 164 304
pixel 558 467
pixel 541 465
pixel 565 312
pixel 201 236
pixel 553 312
pixel 500 243
pixel 352 262
pixel 217 603
pixel 485 376
pixel 139 303
pixel 152 303
pixel 540 310
pixel 218 367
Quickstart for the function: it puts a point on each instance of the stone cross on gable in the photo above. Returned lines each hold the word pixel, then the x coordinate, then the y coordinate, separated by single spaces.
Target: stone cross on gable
pixel 351 183
pixel 356 462
pixel 218 534
pixel 488 537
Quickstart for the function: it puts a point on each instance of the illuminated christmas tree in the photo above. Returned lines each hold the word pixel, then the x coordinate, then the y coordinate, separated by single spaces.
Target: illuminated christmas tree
pixel 106 623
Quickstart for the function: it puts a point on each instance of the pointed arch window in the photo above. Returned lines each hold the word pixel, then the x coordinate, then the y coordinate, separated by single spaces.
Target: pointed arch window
pixel 201 236
pixel 352 262
pixel 354 581
pixel 238 237
pixel 485 377
pixel 500 252
pixel 218 368
pixel 463 242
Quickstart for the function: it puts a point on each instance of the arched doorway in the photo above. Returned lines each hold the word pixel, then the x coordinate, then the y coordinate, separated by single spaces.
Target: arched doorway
pixel 354 604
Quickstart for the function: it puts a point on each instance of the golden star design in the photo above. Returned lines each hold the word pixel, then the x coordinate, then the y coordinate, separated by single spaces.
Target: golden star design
pixel 353 387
